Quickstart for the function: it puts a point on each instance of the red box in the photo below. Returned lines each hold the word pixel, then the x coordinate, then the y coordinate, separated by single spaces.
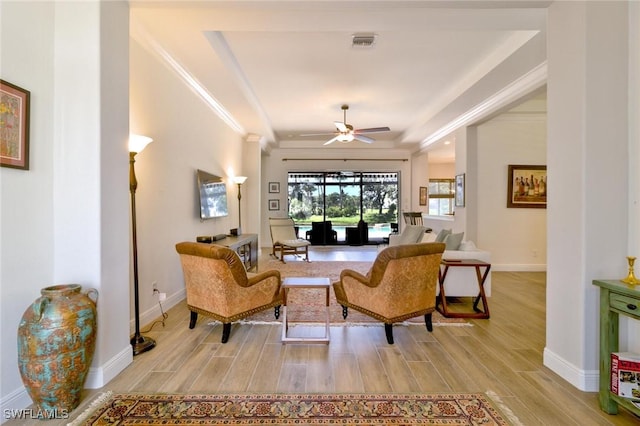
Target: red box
pixel 625 374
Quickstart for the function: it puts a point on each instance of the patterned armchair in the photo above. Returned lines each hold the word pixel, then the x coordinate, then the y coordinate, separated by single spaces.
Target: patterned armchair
pixel 400 285
pixel 218 286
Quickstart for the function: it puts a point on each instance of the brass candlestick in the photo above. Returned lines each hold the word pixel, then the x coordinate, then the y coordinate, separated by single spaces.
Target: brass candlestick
pixel 631 278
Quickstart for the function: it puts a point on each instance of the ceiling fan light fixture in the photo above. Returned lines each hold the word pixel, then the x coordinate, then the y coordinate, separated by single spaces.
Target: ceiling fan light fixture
pixel 345 137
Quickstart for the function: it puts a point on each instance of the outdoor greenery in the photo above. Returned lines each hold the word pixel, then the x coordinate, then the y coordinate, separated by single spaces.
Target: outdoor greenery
pixel 378 202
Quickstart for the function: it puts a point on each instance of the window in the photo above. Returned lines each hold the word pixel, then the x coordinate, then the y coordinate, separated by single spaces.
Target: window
pixel 344 198
pixel 441 196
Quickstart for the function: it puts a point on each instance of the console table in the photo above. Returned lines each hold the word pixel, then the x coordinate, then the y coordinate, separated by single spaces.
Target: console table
pixel 615 298
pixel 246 245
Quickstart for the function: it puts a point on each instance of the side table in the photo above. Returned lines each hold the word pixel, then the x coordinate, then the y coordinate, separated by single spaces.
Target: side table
pixel 305 282
pixel 616 298
pixel 481 278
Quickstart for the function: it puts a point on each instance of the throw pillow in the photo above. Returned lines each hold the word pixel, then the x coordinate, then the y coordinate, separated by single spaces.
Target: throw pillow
pixel 442 235
pixel 452 241
pixel 411 234
pixel 428 237
pixel 467 246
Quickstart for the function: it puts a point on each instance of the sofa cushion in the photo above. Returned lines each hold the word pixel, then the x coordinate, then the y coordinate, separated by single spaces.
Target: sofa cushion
pixel 442 235
pixel 411 234
pixel 453 241
pixel 429 237
pixel 467 245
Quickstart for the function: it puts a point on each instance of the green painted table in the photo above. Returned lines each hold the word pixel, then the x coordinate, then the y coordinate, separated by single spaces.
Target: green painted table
pixel 616 298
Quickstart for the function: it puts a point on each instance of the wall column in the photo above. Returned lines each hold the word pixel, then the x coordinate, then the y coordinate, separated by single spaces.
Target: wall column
pixel 587 155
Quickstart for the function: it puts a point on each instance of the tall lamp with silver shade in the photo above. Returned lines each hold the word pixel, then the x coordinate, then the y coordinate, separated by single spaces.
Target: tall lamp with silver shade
pixel 239 180
pixel 139 342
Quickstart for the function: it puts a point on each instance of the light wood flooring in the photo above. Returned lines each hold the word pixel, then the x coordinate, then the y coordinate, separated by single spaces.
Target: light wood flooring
pixel 501 356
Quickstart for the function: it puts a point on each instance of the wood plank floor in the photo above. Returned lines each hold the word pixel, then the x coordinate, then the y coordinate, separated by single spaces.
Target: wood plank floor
pixel 501 356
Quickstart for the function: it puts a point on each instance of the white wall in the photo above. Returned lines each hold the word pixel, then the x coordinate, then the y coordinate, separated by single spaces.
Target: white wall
pixel 516 237
pixel 26 196
pixel 588 152
pixel 442 170
pixel 632 328
pixel 187 136
pixel 52 215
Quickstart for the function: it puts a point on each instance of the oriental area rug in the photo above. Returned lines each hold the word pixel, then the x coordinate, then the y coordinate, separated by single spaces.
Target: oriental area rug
pixel 307 305
pixel 292 409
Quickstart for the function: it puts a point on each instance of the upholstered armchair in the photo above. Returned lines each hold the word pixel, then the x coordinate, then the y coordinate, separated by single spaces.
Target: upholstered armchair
pixel 401 284
pixel 218 286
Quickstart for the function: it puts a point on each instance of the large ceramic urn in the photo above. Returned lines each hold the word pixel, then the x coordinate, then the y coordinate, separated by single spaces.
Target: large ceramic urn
pixel 56 341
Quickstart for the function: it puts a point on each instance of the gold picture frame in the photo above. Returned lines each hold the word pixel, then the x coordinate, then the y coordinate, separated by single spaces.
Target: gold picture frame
pixel 14 126
pixel 423 195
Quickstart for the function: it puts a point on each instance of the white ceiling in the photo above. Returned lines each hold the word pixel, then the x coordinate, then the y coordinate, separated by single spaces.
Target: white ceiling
pixel 280 69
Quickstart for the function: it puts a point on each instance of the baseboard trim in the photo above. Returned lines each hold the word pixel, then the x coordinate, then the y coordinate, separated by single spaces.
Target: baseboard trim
pixel 584 380
pixel 17 400
pixel 100 376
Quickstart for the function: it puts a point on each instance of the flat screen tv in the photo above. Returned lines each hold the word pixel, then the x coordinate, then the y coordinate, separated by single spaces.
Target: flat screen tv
pixel 213 195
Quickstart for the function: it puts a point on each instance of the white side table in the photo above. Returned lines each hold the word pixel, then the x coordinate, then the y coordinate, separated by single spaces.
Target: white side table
pixel 305 282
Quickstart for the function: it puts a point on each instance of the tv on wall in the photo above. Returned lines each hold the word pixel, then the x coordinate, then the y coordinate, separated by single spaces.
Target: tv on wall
pixel 213 195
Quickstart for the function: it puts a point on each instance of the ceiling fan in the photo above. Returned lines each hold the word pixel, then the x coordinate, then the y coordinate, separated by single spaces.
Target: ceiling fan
pixel 346 133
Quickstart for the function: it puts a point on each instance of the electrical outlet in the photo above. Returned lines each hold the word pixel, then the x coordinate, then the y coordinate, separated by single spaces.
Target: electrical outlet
pixel 155 287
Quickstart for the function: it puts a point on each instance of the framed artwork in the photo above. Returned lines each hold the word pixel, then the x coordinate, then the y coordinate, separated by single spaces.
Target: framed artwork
pixel 460 190
pixel 274 204
pixel 527 187
pixel 274 187
pixel 14 126
pixel 423 195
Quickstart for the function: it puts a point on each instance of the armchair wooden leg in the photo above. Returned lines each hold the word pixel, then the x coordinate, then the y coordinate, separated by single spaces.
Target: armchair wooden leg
pixel 345 312
pixel 226 329
pixel 192 321
pixel 427 321
pixel 276 311
pixel 388 330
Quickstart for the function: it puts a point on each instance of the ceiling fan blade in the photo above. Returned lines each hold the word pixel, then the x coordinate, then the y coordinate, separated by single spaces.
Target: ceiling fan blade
pixel 331 141
pixel 341 126
pixel 372 130
pixel 363 138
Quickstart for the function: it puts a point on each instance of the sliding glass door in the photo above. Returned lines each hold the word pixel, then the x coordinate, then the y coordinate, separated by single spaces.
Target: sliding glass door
pixel 346 199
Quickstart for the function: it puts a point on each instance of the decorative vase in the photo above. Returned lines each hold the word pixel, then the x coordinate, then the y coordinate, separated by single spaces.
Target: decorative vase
pixel 56 341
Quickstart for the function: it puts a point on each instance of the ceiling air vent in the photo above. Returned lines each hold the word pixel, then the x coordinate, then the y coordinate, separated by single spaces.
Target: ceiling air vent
pixel 363 40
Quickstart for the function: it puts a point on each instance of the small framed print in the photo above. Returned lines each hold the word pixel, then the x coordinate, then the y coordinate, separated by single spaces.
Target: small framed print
pixel 274 187
pixel 14 126
pixel 460 190
pixel 423 195
pixel 274 204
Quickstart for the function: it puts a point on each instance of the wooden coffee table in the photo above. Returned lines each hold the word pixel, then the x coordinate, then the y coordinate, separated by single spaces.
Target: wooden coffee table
pixel 481 278
pixel 305 282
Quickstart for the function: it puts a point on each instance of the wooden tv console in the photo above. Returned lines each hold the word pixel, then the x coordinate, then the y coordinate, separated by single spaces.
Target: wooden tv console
pixel 246 245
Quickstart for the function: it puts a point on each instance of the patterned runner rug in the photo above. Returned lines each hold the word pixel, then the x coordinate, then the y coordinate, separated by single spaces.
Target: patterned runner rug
pixel 287 409
pixel 307 305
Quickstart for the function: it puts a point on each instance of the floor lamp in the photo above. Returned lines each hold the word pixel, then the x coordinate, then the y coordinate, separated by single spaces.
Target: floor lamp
pixel 139 342
pixel 239 180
